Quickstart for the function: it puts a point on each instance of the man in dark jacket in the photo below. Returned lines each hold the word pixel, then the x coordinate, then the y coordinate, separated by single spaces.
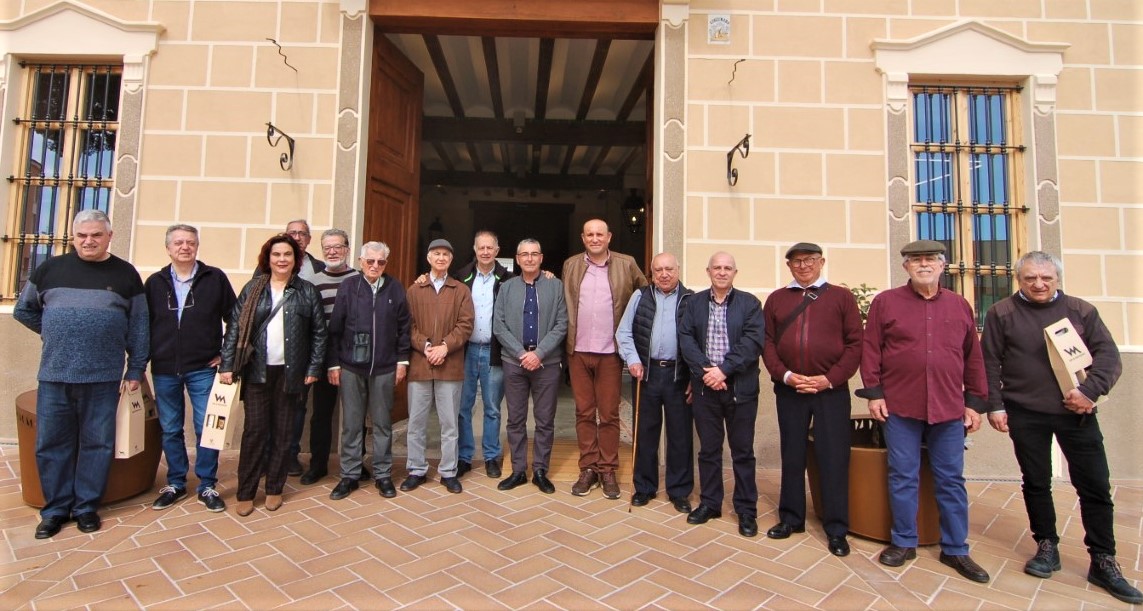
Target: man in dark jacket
pixel 648 344
pixel 369 355
pixel 721 338
pixel 189 301
pixel 1025 402
pixel 813 348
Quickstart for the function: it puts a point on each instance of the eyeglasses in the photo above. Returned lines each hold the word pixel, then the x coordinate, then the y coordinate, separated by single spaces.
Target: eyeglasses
pixel 372 262
pixel 529 254
pixel 333 248
pixel 806 262
pixel 173 301
pixel 298 234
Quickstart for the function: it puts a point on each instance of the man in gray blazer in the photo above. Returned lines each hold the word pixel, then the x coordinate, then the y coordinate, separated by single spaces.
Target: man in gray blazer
pixel 530 321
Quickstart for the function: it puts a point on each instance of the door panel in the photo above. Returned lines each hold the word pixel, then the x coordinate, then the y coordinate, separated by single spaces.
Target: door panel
pixel 392 194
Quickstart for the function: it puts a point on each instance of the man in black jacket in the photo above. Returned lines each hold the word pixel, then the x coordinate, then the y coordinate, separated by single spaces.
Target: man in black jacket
pixel 189 302
pixel 721 339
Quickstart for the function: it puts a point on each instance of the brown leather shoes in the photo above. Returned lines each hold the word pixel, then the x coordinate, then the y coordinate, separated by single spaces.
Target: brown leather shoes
pixel 966 567
pixel 896 556
pixel 244 508
pixel 610 485
pixel 273 502
pixel 587 480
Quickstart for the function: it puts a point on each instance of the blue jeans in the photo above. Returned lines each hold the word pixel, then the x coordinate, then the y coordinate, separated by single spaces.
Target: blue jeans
pixel 477 368
pixel 172 416
pixel 945 441
pixel 75 442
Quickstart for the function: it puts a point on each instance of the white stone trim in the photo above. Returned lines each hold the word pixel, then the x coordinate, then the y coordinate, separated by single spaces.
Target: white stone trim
pixel 71 28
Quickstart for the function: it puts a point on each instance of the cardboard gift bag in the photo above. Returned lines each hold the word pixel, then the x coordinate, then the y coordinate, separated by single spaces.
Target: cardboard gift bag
pixel 130 420
pixel 1068 354
pixel 221 429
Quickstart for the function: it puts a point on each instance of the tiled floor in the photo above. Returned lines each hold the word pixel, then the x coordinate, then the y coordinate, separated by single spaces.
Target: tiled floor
pixel 486 549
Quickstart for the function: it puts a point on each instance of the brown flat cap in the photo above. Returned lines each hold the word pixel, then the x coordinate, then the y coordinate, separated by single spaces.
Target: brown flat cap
pixel 804 247
pixel 923 247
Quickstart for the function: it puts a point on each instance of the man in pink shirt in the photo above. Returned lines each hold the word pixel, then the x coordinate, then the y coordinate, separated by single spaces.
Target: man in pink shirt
pixel 597 285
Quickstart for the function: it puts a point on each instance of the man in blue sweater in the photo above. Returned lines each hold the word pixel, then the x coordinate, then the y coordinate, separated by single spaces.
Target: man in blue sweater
pixel 89 308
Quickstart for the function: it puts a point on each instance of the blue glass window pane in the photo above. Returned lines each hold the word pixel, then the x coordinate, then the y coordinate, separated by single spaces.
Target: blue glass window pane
pixel 934 177
pixel 98 155
pixel 931 117
pixel 990 179
pixel 986 119
pixel 991 239
pixel 93 197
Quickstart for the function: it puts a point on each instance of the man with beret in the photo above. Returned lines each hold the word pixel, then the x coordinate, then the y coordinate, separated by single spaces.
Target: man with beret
pixel 924 378
pixel 1026 403
pixel 442 315
pixel 813 347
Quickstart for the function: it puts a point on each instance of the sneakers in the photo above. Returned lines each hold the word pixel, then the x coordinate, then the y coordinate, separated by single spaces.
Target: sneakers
pixel 587 480
pixel 212 500
pixel 1105 573
pixel 1045 562
pixel 610 485
pixel 168 495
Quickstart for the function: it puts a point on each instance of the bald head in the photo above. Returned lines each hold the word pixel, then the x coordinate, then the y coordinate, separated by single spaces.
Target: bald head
pixel 665 272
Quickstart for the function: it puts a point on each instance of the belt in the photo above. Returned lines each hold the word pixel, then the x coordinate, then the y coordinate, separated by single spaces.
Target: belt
pixel 662 363
pixel 530 348
pixel 480 343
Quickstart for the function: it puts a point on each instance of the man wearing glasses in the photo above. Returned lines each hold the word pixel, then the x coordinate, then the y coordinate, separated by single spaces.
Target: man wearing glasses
pixel 335 252
pixel 189 302
pixel 812 349
pixel 369 355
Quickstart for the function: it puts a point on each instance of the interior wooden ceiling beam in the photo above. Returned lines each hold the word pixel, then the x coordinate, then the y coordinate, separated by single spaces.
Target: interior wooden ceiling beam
pixel 549 131
pixel 630 19
pixel 436 53
pixel 598 59
pixel 442 152
pixel 497 180
pixel 492 66
pixel 640 87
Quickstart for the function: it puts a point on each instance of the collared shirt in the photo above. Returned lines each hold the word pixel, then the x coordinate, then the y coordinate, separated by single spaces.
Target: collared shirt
pixel 595 322
pixel 664 337
pixel 183 289
pixel 531 335
pixel 717 336
pixel 1055 296
pixel 438 283
pixel 376 286
pixel 923 355
pixel 482 300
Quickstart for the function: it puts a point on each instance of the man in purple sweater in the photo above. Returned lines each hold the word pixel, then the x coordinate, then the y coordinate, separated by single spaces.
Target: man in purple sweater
pixel 813 348
pixel 1025 402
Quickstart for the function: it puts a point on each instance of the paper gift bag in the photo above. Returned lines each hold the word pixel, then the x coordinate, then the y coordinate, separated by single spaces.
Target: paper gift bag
pixel 1067 353
pixel 224 415
pixel 130 420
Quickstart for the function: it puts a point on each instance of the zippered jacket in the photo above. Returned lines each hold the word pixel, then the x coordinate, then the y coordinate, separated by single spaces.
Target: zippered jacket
pixel 384 316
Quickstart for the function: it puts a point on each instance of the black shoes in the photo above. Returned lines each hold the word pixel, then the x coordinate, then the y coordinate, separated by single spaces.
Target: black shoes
pixel 1105 573
pixel 540 479
pixel 88 522
pixel 682 505
pixel 492 467
pixel 385 487
pixel 966 567
pixel 452 484
pixel 168 495
pixel 518 478
pixel 212 500
pixel 313 476
pixel 702 515
pixel 365 475
pixel 412 482
pixel 343 488
pixel 747 525
pixel 896 556
pixel 781 530
pixel 293 467
pixel 1045 562
pixel 462 467
pixel 49 527
pixel 640 499
pixel 838 546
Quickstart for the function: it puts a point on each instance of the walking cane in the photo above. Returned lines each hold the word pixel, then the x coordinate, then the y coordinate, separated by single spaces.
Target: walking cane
pixel 635 440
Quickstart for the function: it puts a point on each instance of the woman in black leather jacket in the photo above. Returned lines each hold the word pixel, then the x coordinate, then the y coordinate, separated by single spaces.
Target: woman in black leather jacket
pixel 275 343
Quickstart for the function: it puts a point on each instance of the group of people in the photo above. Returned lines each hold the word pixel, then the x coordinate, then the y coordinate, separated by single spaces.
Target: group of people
pixel 694 359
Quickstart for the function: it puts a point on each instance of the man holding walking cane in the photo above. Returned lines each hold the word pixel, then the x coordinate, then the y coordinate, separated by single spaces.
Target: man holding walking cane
pixel 647 340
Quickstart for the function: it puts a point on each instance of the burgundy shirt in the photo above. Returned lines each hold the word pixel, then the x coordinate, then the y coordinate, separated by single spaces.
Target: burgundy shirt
pixel 923 356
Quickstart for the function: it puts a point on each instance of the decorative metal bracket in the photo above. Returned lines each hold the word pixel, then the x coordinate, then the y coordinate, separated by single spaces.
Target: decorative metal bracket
pixel 743 147
pixel 274 136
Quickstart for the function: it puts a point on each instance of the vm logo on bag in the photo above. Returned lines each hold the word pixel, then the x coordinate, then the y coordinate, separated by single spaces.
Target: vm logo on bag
pixel 1073 351
pixel 220 399
pixel 136 406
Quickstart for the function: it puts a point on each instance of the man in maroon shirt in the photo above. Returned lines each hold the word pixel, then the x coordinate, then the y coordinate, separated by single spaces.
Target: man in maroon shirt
pixel 924 378
pixel 813 348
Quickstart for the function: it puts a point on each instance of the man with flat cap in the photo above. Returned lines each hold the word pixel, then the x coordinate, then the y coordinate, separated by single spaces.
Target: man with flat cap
pixel 813 348
pixel 924 378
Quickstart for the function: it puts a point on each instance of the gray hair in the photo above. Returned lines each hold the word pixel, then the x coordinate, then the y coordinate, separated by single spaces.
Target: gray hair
pixel 528 241
pixel 180 227
pixel 302 221
pixel 380 247
pixel 91 216
pixel 335 232
pixel 1039 257
pixel 485 233
pixel 940 257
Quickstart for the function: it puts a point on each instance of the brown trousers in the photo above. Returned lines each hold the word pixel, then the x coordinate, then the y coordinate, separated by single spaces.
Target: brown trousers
pixel 266 436
pixel 595 380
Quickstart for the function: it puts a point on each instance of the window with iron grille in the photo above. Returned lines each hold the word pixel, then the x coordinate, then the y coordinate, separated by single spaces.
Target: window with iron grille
pixel 65 160
pixel 968 164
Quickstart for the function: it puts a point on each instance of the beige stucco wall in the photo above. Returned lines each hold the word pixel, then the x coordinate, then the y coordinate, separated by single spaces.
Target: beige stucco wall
pixel 798 75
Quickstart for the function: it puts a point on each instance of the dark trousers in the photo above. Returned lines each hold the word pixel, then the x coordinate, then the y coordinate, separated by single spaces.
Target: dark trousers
pixel 718 417
pixel 269 416
pixel 543 384
pixel 321 423
pixel 595 380
pixel 664 400
pixel 829 412
pixel 1082 445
